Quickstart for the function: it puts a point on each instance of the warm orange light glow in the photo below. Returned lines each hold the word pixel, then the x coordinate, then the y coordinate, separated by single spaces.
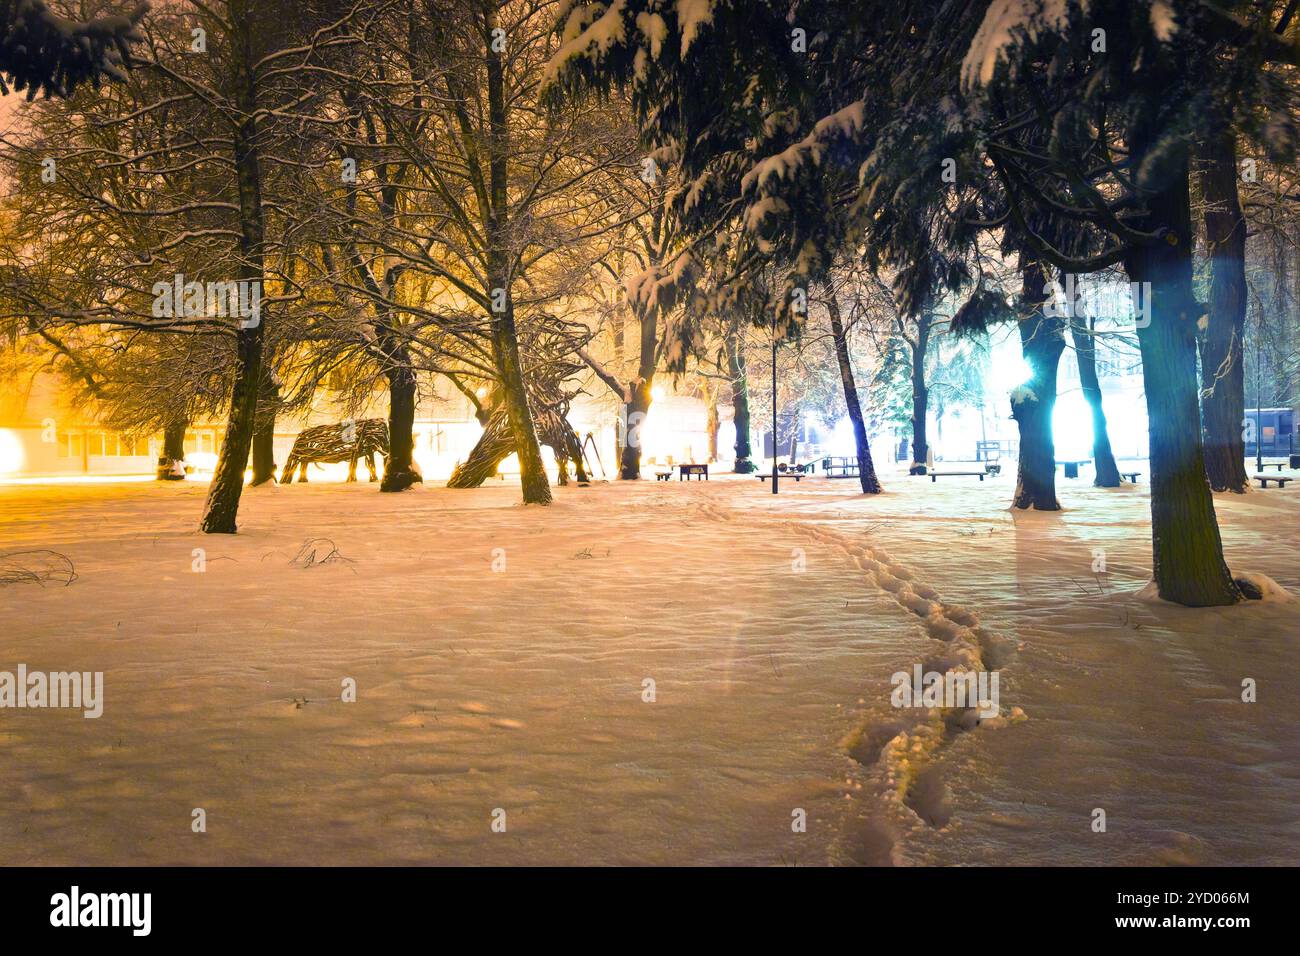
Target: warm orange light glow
pixel 12 457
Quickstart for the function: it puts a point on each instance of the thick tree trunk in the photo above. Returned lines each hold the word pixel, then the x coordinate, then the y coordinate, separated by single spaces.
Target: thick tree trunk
pixel 1042 340
pixel 634 413
pixel 1223 402
pixel 1186 548
pixel 739 402
pixel 263 453
pixel 920 395
pixel 866 467
pixel 505 347
pixel 400 471
pixel 174 444
pixel 712 426
pixel 228 480
pixel 1085 353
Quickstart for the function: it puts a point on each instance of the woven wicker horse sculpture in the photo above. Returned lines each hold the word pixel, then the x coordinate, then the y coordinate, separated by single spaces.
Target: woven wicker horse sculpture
pixel 550 409
pixel 344 441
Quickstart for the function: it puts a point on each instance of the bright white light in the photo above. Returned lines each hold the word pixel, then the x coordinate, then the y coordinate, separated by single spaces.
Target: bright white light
pixel 201 461
pixel 657 393
pixel 12 456
pixel 1072 427
pixel 1016 372
pixel 842 440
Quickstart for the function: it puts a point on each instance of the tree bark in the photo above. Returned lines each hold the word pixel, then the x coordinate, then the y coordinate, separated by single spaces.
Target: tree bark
pixel 174 442
pixel 400 471
pixel 1042 340
pixel 634 414
pixel 262 458
pixel 739 402
pixel 228 480
pixel 866 467
pixel 505 340
pixel 920 394
pixel 1187 551
pixel 1223 401
pixel 263 452
pixel 712 425
pixel 1085 353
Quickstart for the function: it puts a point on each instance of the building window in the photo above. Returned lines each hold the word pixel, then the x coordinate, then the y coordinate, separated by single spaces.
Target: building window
pixel 71 445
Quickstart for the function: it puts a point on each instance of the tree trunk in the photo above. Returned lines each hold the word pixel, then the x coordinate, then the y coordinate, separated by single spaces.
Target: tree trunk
pixel 866 467
pixel 739 402
pixel 400 471
pixel 920 395
pixel 263 451
pixel 1085 353
pixel 228 481
pixel 712 425
pixel 1223 401
pixel 505 340
pixel 1187 551
pixel 1042 340
pixel 634 413
pixel 174 443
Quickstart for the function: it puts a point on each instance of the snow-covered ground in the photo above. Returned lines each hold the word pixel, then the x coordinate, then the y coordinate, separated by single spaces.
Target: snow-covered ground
pixel 515 679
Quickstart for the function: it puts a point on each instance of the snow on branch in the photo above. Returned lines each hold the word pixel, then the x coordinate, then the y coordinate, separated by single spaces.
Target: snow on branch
pixel 1007 24
pixel 42 52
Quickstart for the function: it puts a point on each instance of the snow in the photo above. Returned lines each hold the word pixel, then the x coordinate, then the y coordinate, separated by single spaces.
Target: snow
pixel 654 29
pixel 522 689
pixel 843 123
pixel 1021 394
pixel 1006 23
pixel 581 38
pixel 1164 22
pixel 1268 589
pixel 691 16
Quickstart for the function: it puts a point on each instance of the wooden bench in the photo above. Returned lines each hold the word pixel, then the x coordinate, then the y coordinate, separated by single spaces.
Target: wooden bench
pixel 1265 479
pixel 1072 467
pixel 1132 476
pixel 663 475
pixel 796 475
pixel 1279 465
pixel 700 471
pixel 936 475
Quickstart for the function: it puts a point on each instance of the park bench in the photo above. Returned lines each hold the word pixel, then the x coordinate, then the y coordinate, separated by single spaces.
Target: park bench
pixel 796 475
pixel 1279 465
pixel 663 475
pixel 1265 479
pixel 840 467
pixel 1072 467
pixel 936 475
pixel 685 471
pixel 1132 476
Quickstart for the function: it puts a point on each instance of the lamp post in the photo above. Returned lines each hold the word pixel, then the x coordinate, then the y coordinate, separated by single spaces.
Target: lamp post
pixel 774 445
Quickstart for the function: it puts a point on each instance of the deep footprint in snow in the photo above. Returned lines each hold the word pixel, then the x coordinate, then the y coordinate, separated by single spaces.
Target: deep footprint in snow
pixel 927 797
